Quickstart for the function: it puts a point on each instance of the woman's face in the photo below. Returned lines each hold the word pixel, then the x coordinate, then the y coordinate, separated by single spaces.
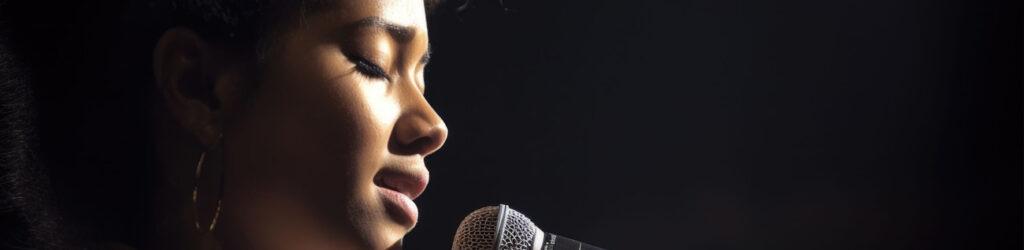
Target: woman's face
pixel 329 151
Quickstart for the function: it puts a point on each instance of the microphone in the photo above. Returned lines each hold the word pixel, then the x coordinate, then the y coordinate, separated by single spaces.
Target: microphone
pixel 502 228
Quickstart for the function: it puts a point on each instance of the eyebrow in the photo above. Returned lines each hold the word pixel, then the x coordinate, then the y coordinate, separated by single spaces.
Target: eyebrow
pixel 401 34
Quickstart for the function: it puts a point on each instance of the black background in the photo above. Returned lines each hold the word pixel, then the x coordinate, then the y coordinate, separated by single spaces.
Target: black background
pixel 693 124
pixel 732 124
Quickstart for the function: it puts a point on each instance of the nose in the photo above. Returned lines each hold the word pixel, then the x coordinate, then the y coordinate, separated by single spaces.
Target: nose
pixel 419 129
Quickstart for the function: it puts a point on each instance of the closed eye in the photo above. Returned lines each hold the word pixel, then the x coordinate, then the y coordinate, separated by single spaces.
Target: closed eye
pixel 368 68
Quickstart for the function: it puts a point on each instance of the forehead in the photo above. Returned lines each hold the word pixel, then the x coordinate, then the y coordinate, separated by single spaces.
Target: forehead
pixel 407 13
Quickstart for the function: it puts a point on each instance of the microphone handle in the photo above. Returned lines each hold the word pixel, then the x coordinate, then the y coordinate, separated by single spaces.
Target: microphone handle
pixel 558 242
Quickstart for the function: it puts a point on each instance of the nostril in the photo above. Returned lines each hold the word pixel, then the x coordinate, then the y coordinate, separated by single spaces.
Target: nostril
pixel 379 181
pixel 423 145
pixel 417 133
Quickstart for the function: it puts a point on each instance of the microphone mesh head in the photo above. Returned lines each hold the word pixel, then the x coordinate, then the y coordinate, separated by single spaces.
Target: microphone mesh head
pixel 519 232
pixel 479 230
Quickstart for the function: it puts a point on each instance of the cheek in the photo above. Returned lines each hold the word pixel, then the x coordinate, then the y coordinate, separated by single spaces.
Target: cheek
pixel 381 107
pixel 316 132
pixel 314 137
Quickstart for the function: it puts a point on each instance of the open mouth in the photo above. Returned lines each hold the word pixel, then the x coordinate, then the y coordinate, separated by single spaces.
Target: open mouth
pixel 409 184
pixel 398 189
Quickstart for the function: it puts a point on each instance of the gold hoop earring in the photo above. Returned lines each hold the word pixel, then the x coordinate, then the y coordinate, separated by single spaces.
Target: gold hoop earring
pixel 195 194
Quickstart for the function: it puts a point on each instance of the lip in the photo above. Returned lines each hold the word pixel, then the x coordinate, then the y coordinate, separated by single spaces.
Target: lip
pixel 400 206
pixel 410 183
pixel 397 187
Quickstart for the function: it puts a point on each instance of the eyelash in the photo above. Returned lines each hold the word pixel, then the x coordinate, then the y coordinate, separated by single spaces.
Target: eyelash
pixel 369 69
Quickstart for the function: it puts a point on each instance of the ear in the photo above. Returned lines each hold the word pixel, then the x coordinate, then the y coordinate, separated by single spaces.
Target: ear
pixel 187 76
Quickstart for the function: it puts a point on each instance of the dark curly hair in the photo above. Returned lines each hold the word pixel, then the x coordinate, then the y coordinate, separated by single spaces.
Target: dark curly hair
pixel 75 93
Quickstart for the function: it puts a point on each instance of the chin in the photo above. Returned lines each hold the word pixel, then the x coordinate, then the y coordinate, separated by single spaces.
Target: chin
pixel 375 224
pixel 396 246
pixel 384 238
